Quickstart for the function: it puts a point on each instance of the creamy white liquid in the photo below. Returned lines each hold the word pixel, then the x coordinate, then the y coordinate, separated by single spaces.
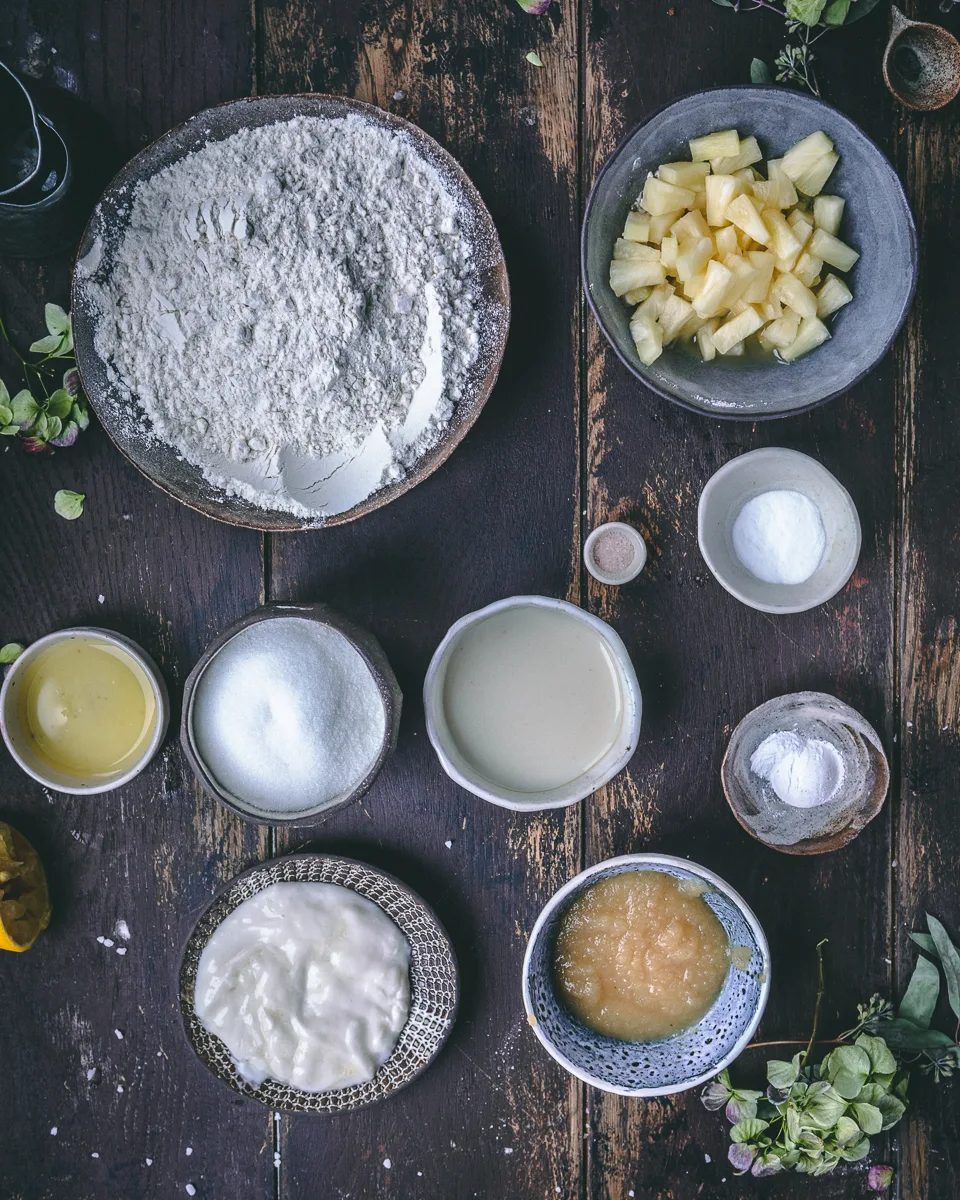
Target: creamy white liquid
pixel 532 697
pixel 307 984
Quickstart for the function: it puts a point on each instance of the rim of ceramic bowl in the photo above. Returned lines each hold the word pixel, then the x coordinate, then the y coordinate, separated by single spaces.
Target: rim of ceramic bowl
pixel 636 369
pixel 493 287
pixel 566 794
pixel 731 468
pixel 647 860
pixel 140 656
pixel 377 664
pixel 604 577
pixel 312 863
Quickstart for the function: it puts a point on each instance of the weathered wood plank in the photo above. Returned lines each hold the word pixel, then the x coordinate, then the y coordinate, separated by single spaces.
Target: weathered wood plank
pixel 704 660
pixel 152 853
pixel 494 1116
pixel 928 560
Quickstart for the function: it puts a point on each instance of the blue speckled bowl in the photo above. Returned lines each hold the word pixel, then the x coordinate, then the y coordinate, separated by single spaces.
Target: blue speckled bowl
pixel 673 1064
pixel 877 222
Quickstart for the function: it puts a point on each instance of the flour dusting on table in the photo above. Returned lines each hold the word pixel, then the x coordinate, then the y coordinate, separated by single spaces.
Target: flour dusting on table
pixel 291 309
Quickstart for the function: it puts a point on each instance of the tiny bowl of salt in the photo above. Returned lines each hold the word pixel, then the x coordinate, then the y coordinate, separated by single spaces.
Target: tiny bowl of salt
pixel 614 553
pixel 778 531
pixel 290 714
pixel 804 773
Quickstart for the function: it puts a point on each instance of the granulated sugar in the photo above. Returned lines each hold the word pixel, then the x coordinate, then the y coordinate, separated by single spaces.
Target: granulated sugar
pixel 291 310
pixel 288 715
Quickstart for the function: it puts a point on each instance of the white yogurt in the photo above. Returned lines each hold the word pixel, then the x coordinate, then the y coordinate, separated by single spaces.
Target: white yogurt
pixel 307 984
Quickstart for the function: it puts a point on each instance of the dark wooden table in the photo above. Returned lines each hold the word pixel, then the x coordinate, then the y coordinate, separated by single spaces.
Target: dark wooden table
pixel 567 440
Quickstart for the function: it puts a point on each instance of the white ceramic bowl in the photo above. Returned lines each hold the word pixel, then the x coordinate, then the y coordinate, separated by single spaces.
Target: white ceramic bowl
pixel 639 551
pixel 16 739
pixel 765 470
pixel 462 772
pixel 672 1064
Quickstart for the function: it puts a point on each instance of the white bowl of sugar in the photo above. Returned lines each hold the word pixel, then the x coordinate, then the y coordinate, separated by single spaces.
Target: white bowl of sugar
pixel 778 531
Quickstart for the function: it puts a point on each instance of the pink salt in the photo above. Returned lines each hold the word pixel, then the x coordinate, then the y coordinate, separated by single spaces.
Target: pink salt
pixel 613 552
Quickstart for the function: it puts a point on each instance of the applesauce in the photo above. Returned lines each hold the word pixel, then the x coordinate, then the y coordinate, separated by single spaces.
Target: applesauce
pixel 640 956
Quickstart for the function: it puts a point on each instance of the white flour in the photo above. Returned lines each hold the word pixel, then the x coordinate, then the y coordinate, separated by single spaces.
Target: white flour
pixel 291 310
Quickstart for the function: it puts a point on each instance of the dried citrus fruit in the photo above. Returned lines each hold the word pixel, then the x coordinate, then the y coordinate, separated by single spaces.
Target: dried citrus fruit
pixel 24 898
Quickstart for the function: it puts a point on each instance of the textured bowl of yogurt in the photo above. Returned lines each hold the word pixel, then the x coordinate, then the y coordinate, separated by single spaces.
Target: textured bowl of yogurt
pixel 316 983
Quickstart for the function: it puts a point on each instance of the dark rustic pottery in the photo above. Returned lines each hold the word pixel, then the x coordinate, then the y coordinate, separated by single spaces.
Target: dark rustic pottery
pixel 921 64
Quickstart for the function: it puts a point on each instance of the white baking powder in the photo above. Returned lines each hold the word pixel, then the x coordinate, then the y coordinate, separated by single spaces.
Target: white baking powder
pixel 290 308
pixel 803 772
pixel 779 537
pixel 288 716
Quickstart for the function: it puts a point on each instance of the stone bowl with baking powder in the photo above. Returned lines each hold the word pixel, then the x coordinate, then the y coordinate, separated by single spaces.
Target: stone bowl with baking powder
pixel 772 469
pixel 119 414
pixel 668 1065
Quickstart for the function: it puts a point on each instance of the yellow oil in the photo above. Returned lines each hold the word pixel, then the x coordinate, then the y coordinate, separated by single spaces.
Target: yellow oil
pixel 87 708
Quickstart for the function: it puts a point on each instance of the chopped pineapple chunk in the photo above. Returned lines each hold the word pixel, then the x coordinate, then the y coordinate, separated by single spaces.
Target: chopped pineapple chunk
pixel 828 213
pixel 693 256
pixel 637 295
pixel 659 197
pixel 736 329
pixel 748 154
pixel 811 182
pixel 653 306
pixel 637 227
pixel 629 273
pixel 721 190
pixel 624 249
pixel 782 332
pixel 763 262
pixel 783 241
pixel 743 212
pixel 690 225
pixel 813 333
pixel 684 174
pixel 736 351
pixel 708 351
pixel 668 252
pixel 676 313
pixel 717 282
pixel 838 254
pixel 724 144
pixel 659 226
pixel 726 241
pixel 648 339
pixel 808 268
pixel 833 294
pixel 777 175
pixel 802 228
pixel 804 154
pixel 791 292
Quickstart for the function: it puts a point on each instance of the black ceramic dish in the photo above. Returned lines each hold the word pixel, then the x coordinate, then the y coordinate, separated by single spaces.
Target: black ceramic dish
pixel 434 981
pixel 877 222
pixel 120 415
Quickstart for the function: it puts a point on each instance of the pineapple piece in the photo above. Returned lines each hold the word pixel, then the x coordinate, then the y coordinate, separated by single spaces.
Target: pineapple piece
pixel 782 332
pixel 668 253
pixel 802 228
pixel 726 240
pixel 660 197
pixel 832 295
pixel 676 313
pixel 804 154
pixel 747 176
pixel 723 144
pixel 838 254
pixel 783 241
pixel 629 273
pixel 808 268
pixel 637 227
pixel 684 174
pixel 771 310
pixel 744 213
pixel 717 282
pixel 748 154
pixel 736 351
pixel 813 333
pixel 790 291
pixel 766 192
pixel 653 306
pixel 776 174
pixel 745 276
pixel 736 329
pixel 636 295
pixel 648 339
pixel 693 256
pixel 828 213
pixel 705 344
pixel 690 225
pixel 659 226
pixel 691 289
pixel 721 190
pixel 763 262
pixel 624 249
pixel 699 201
pixel 811 182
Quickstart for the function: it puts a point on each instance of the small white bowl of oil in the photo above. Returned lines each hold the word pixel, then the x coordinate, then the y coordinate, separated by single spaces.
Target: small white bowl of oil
pixel 532 703
pixel 83 710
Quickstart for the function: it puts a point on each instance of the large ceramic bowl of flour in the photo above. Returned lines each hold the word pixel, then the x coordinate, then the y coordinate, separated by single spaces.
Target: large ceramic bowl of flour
pixel 288 311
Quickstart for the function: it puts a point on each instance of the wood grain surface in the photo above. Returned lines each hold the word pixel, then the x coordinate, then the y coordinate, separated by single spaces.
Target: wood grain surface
pixel 567 440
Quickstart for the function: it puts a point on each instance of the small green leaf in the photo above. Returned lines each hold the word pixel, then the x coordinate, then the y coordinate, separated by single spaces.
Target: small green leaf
pixel 6 415
pixel 11 652
pixel 782 1074
pixel 836 12
pixel 71 381
pixel 807 12
pixel 54 428
pixel 760 73
pixel 904 1035
pixel 949 960
pixel 47 345
pixel 69 505
pixel 39 428
pixel 857 1151
pixel 920 998
pixel 533 57
pixel 882 1061
pixel 869 1119
pixel 747 1131
pixel 24 409
pixel 56 319
pixel 9 430
pixel 81 415
pixel 891 1109
pixel 871 1093
pixel 60 403
pixel 4 394
pixel 846 1131
pixel 925 942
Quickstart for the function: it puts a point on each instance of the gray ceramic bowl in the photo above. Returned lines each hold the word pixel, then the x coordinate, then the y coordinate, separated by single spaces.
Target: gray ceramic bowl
pixel 434 981
pixel 877 222
pixel 672 1064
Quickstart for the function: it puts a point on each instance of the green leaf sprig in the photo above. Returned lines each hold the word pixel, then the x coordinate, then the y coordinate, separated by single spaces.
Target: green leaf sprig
pixel 806 21
pixel 42 416
pixel 812 1118
pixel 69 505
